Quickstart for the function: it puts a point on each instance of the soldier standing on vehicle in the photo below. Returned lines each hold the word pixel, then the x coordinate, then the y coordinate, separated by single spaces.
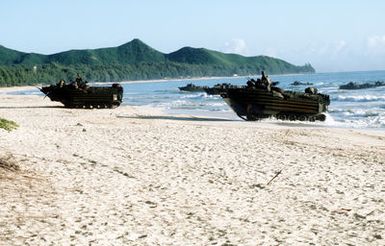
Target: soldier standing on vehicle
pixel 266 81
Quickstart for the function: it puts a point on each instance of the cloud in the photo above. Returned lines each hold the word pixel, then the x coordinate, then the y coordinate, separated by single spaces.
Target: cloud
pixel 330 49
pixel 324 55
pixel 270 52
pixel 376 44
pixel 237 46
pixel 340 46
pixel 340 54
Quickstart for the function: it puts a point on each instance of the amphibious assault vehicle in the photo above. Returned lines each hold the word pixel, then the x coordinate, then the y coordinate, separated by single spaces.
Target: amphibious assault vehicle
pixel 193 88
pixel 78 94
pixel 259 99
pixel 218 89
pixel 215 90
pixel 357 86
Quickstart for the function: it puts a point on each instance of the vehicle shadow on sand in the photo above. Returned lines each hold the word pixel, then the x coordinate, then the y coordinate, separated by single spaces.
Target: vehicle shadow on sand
pixel 169 117
pixel 22 107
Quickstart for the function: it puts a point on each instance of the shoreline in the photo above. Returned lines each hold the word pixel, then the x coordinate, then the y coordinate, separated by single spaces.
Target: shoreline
pixel 4 90
pixel 187 79
pixel 329 123
pixel 24 87
pixel 171 79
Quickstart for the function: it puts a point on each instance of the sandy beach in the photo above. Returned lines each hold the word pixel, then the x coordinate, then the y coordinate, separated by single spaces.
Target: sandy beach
pixel 135 176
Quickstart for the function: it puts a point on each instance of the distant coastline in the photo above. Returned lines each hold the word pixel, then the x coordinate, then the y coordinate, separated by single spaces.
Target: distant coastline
pixel 25 87
pixel 134 61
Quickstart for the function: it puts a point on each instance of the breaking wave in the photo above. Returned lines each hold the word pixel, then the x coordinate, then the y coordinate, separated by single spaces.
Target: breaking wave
pixel 360 98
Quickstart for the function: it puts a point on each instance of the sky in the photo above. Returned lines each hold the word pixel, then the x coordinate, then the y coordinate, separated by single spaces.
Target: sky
pixel 343 35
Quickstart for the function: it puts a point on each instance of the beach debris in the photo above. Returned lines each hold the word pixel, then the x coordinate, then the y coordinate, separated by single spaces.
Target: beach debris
pixel 123 173
pixel 260 99
pixel 344 210
pixel 359 216
pixel 7 162
pixel 77 94
pixel 275 176
pixel 151 204
pixel 8 125
pixel 259 186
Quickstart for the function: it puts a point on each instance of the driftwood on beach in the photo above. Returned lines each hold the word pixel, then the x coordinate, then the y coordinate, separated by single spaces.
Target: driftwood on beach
pixel 275 176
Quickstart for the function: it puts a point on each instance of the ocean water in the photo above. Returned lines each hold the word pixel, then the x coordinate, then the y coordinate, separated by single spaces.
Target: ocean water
pixel 364 108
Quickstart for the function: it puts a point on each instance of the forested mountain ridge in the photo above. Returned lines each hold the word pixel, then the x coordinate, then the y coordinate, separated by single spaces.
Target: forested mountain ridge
pixel 132 61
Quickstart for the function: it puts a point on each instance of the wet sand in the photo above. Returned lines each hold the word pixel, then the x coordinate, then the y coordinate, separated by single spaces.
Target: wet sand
pixel 135 176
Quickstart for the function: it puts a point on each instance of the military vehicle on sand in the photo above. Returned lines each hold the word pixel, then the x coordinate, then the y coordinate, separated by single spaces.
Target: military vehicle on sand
pixel 78 94
pixel 259 99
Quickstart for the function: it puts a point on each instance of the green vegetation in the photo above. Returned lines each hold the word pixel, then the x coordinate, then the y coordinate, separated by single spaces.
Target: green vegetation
pixel 8 125
pixel 133 61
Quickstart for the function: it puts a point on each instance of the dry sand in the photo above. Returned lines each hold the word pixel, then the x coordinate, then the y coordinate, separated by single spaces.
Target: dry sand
pixel 134 176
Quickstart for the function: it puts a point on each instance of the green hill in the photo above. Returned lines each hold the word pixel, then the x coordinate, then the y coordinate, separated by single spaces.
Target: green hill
pixel 131 61
pixel 130 53
pixel 13 57
pixel 209 57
